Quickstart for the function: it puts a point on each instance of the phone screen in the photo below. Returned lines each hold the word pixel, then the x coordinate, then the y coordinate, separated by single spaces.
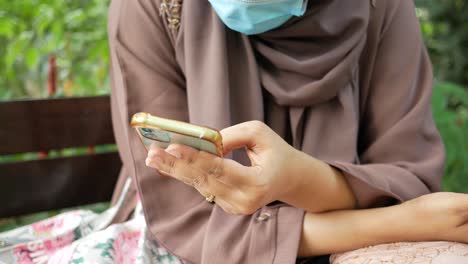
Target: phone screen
pixel 165 138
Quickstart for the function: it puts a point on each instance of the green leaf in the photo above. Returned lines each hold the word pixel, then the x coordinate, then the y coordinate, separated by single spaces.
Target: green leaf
pixel 43 19
pixel 32 57
pixel 75 18
pixel 7 27
pixel 13 53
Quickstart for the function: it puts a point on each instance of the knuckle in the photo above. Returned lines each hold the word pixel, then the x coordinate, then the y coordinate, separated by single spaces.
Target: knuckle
pixel 176 151
pixel 196 157
pixel 257 126
pixel 202 155
pixel 258 171
pixel 176 146
pixel 458 205
pixel 170 165
pixel 217 168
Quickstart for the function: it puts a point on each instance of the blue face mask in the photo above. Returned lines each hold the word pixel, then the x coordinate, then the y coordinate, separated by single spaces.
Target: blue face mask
pixel 257 16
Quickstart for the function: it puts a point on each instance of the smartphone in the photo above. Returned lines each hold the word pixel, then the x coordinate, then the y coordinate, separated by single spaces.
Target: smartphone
pixel 152 129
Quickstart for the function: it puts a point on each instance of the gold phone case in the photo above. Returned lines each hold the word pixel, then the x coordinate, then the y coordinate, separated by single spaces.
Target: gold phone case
pixel 166 131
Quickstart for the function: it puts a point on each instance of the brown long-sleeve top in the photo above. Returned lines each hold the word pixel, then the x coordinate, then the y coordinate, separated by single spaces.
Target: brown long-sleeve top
pixel 349 83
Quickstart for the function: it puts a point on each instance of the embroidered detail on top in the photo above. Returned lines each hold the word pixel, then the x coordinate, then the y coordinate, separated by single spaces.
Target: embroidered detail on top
pixel 171 11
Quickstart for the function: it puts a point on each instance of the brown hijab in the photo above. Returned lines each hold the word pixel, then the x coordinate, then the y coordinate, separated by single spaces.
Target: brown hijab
pixel 306 62
pixel 348 83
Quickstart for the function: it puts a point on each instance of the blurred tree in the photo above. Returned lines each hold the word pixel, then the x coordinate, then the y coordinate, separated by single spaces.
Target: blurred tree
pixel 445 28
pixel 450 109
pixel 73 31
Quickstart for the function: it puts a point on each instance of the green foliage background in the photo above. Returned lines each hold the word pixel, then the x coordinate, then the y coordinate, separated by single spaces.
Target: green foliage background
pixel 75 31
pixel 445 27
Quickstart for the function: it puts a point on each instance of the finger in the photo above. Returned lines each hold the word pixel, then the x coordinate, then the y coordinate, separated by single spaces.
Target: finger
pixel 205 173
pixel 228 204
pixel 202 164
pixel 225 171
pixel 183 167
pixel 249 134
pixel 201 181
pixel 160 160
pixel 181 151
pixel 232 188
pixel 201 169
pixel 224 196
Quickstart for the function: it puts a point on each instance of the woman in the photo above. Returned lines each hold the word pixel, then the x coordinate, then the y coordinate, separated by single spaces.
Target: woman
pixel 342 91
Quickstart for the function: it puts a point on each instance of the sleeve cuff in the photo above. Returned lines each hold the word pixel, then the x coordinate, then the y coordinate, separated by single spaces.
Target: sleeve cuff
pixel 289 231
pixel 367 194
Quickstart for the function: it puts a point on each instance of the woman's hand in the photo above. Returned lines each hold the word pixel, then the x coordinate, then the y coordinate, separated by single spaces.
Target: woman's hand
pixel 238 189
pixel 436 216
pixel 278 172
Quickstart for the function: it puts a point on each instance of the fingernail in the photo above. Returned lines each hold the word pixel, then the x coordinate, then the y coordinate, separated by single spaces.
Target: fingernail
pixel 175 154
pixel 153 153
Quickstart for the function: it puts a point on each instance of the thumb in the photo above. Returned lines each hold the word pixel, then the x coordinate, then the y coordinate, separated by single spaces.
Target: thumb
pixel 251 135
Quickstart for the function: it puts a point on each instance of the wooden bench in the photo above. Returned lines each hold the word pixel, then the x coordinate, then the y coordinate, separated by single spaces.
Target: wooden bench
pixel 55 183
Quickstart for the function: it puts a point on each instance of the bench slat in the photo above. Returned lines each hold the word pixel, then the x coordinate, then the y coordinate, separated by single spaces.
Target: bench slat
pixel 40 125
pixel 41 185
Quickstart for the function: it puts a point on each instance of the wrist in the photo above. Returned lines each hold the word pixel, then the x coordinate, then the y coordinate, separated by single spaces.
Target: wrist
pixel 303 182
pixel 315 186
pixel 393 227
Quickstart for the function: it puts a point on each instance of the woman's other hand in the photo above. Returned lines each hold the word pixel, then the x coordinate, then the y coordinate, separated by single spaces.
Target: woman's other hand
pixel 278 172
pixel 436 216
